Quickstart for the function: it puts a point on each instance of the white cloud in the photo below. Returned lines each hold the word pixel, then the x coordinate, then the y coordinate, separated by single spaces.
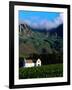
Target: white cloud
pixel 25 21
pixel 58 20
pixel 46 24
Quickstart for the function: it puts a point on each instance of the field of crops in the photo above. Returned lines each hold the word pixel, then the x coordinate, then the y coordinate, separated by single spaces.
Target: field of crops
pixel 45 71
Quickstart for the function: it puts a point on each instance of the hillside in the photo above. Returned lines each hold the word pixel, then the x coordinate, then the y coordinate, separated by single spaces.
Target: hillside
pixel 40 41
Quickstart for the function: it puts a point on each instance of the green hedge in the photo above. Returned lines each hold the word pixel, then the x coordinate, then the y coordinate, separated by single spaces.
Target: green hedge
pixel 53 70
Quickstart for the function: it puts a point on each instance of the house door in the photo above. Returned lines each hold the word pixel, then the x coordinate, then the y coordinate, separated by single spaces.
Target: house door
pixel 38 64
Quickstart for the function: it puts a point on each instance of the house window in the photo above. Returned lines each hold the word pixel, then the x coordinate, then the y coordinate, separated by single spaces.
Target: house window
pixel 38 61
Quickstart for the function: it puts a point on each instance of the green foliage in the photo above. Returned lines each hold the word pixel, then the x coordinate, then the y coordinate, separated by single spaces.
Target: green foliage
pixel 39 41
pixel 46 71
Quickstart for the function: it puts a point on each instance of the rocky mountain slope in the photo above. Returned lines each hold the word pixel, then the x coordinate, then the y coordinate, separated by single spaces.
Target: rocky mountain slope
pixel 40 41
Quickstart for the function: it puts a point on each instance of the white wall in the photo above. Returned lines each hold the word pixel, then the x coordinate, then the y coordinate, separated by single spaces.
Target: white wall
pixel 38 62
pixel 29 64
pixel 4 44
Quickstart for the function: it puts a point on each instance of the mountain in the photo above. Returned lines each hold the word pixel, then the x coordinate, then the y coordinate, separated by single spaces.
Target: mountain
pixel 58 30
pixel 39 41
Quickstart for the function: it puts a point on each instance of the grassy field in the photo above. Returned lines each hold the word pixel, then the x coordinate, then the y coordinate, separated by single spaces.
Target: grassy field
pixel 45 71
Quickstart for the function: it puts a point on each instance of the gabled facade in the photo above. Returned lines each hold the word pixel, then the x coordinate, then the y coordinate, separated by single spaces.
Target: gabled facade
pixel 28 63
pixel 38 62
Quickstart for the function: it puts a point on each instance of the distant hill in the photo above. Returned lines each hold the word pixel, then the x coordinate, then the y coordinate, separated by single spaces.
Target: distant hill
pixel 58 30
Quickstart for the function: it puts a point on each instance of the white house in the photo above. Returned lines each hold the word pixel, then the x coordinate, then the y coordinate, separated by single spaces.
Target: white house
pixel 38 62
pixel 28 63
pixel 31 63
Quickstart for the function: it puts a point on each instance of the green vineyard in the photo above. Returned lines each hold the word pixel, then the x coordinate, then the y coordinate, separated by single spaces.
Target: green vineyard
pixel 45 71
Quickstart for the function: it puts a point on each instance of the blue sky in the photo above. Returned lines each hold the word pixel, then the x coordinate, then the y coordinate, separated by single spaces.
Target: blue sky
pixel 38 19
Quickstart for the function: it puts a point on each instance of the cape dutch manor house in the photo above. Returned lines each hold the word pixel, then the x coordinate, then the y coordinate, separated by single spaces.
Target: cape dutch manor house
pixel 29 63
